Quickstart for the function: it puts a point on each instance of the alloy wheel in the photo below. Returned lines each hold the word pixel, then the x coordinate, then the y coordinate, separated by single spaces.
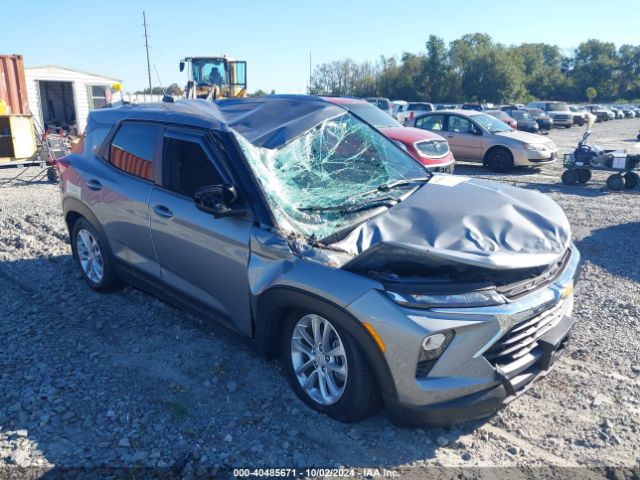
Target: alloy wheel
pixel 319 359
pixel 89 255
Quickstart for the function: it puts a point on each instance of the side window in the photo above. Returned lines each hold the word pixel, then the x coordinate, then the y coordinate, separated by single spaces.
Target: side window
pixel 430 122
pixel 188 167
pixel 132 149
pixel 459 125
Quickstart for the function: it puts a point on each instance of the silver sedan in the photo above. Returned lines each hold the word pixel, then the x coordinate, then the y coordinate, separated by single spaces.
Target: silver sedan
pixel 478 137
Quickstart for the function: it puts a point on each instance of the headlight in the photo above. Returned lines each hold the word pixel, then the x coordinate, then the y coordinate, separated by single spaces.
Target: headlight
pixel 535 148
pixel 480 298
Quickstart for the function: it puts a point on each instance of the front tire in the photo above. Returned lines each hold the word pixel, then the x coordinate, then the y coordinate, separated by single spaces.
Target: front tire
pixel 499 160
pixel 52 175
pixel 327 369
pixel 631 180
pixel 91 252
pixel 570 177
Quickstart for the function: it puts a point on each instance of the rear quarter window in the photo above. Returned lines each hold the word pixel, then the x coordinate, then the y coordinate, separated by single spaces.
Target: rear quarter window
pixel 132 149
pixel 93 137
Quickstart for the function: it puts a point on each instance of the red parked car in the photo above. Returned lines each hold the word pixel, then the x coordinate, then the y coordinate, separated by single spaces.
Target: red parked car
pixel 504 117
pixel 428 148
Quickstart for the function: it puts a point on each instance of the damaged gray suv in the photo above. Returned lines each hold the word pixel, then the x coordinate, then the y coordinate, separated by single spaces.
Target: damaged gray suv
pixel 292 221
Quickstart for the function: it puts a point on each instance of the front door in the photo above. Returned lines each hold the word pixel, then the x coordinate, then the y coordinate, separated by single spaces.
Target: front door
pixel 465 138
pixel 204 257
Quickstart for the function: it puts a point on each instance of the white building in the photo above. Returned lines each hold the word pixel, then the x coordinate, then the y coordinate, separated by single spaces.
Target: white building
pixel 62 97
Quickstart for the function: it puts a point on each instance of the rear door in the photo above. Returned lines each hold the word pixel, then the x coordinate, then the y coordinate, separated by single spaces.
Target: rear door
pixel 203 257
pixel 464 140
pixel 118 189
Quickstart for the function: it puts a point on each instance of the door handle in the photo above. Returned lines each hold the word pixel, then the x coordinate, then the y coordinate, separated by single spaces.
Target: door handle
pixel 163 211
pixel 450 135
pixel 94 185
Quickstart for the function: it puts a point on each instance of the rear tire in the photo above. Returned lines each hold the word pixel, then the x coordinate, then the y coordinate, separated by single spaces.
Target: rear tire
pixel 499 160
pixel 569 177
pixel 91 251
pixel 304 357
pixel 584 175
pixel 615 182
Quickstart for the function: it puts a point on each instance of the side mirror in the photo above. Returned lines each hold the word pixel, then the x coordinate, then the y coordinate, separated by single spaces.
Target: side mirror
pixel 182 66
pixel 217 200
pixel 476 131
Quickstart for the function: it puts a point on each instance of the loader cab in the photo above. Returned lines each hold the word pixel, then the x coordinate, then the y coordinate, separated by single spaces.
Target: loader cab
pixel 215 77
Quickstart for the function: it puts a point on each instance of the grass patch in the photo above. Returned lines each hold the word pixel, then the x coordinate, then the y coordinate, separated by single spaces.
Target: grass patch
pixel 177 411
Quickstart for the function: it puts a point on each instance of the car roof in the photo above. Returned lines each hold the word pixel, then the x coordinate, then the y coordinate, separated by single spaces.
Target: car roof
pixel 344 100
pixel 459 111
pixel 269 121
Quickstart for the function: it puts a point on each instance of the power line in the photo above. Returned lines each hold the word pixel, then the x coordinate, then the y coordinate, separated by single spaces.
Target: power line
pixel 146 45
pixel 87 46
pixel 107 49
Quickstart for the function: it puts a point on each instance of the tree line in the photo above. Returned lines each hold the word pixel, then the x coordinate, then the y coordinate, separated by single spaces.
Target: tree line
pixel 475 68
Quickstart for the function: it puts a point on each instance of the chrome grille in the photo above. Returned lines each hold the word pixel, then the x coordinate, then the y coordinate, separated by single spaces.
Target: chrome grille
pixel 433 148
pixel 522 338
pixel 518 355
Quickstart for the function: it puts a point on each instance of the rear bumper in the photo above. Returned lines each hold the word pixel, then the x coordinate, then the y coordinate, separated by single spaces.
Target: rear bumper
pixel 485 402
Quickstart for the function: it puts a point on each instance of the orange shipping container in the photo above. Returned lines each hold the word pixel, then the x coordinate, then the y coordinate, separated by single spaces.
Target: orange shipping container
pixel 13 87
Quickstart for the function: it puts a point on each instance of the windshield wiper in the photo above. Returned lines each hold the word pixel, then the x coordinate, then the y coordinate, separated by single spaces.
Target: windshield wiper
pixel 354 208
pixel 385 187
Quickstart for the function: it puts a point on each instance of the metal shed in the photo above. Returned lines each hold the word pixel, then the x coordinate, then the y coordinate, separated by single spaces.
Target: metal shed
pixel 62 97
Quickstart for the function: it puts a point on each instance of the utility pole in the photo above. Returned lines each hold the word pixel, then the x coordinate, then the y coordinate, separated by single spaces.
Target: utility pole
pixel 146 46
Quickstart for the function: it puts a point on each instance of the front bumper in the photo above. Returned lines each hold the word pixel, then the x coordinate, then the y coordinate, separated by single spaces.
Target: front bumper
pixel 485 402
pixel 563 122
pixel 468 381
pixel 524 157
pixel 441 168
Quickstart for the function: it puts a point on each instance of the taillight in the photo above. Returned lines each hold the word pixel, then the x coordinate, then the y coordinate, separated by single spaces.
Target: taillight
pixel 411 116
pixel 78 147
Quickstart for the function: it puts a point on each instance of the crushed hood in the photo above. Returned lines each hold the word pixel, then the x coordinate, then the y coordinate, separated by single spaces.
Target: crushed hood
pixel 459 220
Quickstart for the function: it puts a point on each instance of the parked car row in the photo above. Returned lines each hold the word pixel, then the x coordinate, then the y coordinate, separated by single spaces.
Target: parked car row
pixel 436 137
pixel 546 114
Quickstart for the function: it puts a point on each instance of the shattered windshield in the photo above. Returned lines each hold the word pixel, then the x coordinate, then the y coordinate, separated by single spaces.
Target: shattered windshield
pixel 340 162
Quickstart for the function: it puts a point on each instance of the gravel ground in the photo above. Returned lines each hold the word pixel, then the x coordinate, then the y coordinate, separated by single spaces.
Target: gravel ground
pixel 123 379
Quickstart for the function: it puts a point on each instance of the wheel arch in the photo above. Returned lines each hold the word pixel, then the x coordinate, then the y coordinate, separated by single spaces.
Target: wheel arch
pixel 273 306
pixel 495 148
pixel 74 210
